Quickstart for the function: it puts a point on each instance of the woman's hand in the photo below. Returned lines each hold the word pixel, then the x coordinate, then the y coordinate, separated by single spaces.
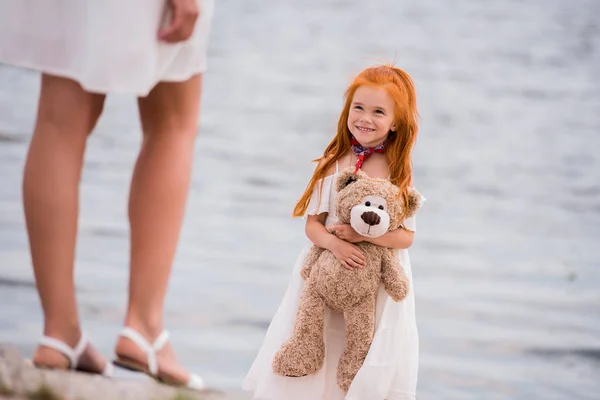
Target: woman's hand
pixel 347 233
pixel 184 14
pixel 348 255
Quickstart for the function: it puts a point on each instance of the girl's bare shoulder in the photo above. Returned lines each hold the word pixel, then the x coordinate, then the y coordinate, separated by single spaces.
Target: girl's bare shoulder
pixel 342 163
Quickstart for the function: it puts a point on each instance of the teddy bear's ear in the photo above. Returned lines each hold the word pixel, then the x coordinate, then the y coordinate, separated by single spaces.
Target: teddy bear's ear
pixel 347 177
pixel 414 202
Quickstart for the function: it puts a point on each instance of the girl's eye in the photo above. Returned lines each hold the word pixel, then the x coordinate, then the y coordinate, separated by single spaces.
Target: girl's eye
pixel 380 207
pixel 357 107
pixel 379 112
pixel 368 204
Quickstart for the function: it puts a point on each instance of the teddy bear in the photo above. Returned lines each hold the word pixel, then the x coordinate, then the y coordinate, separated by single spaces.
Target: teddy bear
pixel 372 207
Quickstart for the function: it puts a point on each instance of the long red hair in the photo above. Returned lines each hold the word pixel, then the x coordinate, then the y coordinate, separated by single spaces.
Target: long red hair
pixel 399 143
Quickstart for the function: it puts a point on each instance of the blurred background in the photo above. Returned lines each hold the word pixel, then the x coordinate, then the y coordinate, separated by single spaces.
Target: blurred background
pixel 507 255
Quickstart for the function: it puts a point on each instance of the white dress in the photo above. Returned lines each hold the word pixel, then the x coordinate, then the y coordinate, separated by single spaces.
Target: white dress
pixel 105 45
pixel 391 366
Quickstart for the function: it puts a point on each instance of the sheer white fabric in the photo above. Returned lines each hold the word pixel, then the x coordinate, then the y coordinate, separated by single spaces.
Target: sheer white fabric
pixel 107 45
pixel 390 369
pixel 319 202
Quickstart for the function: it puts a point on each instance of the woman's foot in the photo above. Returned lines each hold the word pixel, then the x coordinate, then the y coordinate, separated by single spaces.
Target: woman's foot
pixel 92 361
pixel 52 354
pixel 167 369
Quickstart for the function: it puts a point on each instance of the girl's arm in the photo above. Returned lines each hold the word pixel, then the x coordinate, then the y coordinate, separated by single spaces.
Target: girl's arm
pixel 315 224
pixel 348 254
pixel 316 232
pixel 397 239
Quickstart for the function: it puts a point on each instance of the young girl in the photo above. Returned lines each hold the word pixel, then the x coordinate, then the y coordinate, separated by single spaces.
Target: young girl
pixel 376 133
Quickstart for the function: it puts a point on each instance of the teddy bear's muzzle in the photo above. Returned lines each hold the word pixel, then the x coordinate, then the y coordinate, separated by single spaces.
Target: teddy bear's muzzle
pixel 371 218
pixel 368 222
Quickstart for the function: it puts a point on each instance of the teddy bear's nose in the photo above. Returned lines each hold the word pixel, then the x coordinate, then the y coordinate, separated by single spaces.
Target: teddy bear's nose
pixel 371 218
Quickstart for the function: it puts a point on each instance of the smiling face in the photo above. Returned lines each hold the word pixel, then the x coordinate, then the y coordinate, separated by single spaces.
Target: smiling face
pixel 371 115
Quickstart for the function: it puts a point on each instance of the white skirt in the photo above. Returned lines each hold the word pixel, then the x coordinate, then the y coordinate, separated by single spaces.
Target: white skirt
pixel 389 372
pixel 105 45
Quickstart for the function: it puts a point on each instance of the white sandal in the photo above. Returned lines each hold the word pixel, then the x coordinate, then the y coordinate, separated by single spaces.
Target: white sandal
pixel 151 368
pixel 74 354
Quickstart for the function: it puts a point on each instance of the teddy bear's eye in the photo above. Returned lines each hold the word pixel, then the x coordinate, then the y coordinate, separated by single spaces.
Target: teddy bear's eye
pixel 380 207
pixel 368 204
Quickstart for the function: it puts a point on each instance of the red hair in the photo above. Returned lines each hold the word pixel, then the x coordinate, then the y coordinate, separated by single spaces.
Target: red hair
pixel 399 143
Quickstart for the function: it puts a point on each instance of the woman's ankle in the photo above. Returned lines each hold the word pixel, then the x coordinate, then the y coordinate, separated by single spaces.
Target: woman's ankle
pixel 70 333
pixel 149 327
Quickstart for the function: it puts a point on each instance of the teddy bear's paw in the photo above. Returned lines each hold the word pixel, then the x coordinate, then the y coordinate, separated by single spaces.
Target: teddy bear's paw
pixel 399 292
pixel 346 374
pixel 398 288
pixel 344 383
pixel 299 360
pixel 349 364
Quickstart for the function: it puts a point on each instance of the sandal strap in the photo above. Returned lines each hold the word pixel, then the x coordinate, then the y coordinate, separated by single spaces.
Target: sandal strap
pixel 149 348
pixel 196 383
pixel 72 353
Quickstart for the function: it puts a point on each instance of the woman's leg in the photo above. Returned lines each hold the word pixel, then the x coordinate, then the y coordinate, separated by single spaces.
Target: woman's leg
pixel 66 116
pixel 159 190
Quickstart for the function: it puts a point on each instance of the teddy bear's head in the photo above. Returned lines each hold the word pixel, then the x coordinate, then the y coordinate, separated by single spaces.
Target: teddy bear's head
pixel 371 206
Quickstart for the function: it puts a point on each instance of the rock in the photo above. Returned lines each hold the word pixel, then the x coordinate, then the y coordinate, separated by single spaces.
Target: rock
pixel 20 380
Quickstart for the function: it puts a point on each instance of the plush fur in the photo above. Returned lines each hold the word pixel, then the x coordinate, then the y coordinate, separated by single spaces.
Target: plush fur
pixel 372 207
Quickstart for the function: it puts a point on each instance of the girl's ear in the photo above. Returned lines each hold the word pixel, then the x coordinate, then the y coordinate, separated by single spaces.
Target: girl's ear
pixel 347 177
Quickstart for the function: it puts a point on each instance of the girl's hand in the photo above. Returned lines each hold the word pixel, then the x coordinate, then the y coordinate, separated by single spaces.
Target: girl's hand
pixel 184 14
pixel 348 255
pixel 347 233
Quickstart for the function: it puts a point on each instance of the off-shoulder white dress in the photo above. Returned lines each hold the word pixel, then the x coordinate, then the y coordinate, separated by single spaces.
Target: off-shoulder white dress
pixel 390 369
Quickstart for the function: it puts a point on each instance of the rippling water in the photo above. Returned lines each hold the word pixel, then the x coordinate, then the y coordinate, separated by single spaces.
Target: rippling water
pixel 506 261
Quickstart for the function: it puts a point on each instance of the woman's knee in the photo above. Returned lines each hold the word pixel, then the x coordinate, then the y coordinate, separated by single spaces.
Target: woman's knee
pixel 67 108
pixel 171 110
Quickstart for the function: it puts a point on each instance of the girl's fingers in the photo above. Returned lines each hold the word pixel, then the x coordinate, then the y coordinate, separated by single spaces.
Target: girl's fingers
pixel 360 256
pixel 358 260
pixel 345 265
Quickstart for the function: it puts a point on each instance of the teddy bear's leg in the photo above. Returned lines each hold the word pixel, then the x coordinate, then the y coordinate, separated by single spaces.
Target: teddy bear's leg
pixel 304 352
pixel 360 327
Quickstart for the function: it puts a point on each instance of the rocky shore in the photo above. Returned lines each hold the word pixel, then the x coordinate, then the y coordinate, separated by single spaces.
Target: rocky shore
pixel 19 380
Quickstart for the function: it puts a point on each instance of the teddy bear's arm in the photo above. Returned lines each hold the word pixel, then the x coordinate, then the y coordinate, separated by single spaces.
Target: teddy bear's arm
pixel 394 279
pixel 310 260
